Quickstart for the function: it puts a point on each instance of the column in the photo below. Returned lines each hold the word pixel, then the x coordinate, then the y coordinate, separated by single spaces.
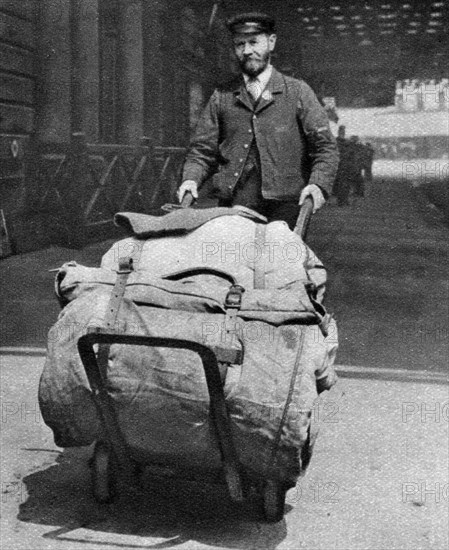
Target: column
pixel 152 33
pixel 130 72
pixel 53 84
pixel 85 68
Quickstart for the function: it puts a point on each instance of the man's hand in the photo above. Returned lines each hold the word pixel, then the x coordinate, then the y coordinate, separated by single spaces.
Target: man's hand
pixel 188 186
pixel 317 196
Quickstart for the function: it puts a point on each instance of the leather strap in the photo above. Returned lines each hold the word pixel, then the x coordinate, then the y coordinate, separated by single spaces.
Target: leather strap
pixel 103 402
pixel 324 317
pixel 260 256
pixel 125 268
pixel 200 270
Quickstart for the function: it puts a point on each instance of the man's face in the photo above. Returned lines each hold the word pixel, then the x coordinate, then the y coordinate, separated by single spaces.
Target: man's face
pixel 253 52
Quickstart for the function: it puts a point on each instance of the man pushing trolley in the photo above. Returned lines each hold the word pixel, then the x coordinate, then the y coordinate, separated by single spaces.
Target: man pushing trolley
pixel 264 137
pixel 200 345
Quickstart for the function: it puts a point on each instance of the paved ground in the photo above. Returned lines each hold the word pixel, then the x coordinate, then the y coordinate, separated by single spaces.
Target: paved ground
pixel 378 480
pixel 379 477
pixel 387 257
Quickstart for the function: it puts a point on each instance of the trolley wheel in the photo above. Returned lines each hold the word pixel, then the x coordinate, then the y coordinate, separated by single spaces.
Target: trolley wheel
pixel 104 473
pixel 273 495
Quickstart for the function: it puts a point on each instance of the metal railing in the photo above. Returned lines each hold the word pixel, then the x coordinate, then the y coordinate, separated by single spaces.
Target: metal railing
pixel 83 185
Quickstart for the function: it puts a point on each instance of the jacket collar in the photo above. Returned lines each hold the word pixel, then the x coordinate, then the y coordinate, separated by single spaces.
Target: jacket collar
pixel 276 85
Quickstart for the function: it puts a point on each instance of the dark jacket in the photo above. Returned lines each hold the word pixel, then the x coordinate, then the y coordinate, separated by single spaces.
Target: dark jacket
pixel 291 129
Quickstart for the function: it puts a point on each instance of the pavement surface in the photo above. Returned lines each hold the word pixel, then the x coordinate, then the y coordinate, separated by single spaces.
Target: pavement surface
pixel 387 259
pixel 379 475
pixel 378 480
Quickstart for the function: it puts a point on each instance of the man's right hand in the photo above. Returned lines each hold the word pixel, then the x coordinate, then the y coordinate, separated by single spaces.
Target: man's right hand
pixel 187 186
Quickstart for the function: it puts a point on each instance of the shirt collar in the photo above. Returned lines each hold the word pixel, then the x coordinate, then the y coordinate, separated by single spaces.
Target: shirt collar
pixel 263 77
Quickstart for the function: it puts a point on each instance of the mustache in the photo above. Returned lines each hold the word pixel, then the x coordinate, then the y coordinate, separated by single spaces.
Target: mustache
pixel 251 61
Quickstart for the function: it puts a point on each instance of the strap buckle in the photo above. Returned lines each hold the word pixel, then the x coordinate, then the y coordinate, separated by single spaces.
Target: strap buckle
pixel 233 298
pixel 125 265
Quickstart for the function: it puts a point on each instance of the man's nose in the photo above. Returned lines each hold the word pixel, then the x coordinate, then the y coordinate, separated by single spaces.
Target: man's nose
pixel 247 49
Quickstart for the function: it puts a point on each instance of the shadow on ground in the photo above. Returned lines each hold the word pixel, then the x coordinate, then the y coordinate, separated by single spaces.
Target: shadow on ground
pixel 175 511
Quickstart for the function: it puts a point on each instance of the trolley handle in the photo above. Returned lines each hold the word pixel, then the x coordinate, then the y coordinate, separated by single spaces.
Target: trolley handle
pixel 304 217
pixel 187 200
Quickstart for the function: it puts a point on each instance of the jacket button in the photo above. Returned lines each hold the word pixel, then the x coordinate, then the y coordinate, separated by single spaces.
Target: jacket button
pixel 240 160
pixel 246 146
pixel 236 174
pixel 250 131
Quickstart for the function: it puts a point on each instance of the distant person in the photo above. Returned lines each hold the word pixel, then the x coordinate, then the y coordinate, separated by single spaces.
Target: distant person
pixel 342 185
pixel 357 164
pixel 368 158
pixel 264 137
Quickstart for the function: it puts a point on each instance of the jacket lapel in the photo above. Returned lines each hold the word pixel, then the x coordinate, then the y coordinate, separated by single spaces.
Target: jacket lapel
pixel 241 94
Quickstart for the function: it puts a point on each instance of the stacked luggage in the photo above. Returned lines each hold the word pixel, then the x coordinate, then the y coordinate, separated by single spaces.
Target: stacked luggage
pixel 199 346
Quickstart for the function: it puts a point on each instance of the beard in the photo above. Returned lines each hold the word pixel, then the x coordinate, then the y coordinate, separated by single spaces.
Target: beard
pixel 253 67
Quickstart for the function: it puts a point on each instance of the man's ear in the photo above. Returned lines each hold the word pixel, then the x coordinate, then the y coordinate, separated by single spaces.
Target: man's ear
pixel 271 42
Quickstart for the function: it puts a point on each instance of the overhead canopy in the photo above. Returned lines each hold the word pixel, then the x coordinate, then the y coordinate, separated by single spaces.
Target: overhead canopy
pixel 370 20
pixel 356 49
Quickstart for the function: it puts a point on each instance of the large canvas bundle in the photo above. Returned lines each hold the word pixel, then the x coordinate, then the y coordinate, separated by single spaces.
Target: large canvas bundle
pixel 160 394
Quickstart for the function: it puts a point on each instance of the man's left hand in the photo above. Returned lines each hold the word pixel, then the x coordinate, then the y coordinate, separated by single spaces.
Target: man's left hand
pixel 317 196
